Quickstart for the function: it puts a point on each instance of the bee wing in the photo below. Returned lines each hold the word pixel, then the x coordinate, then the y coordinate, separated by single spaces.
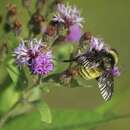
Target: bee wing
pixel 88 61
pixel 106 84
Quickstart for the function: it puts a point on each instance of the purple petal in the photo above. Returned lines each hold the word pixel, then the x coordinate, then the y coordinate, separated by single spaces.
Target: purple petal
pixel 96 43
pixel 115 71
pixel 74 33
pixel 42 65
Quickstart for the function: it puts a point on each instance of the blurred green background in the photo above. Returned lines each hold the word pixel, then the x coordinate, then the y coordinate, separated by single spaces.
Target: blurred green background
pixel 71 107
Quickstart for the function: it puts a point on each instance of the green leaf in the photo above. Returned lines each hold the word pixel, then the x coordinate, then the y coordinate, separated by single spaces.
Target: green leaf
pixel 44 111
pixel 64 51
pixel 47 84
pixel 33 95
pixel 8 98
pixel 3 73
pixel 63 120
pixel 13 71
pixel 30 121
pixel 61 54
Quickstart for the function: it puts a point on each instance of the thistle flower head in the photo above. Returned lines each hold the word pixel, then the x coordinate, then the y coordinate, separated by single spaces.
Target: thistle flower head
pixel 69 15
pixel 96 43
pixel 27 50
pixel 42 64
pixel 35 55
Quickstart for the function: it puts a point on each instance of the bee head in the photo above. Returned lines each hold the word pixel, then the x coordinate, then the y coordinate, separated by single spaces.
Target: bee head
pixel 114 54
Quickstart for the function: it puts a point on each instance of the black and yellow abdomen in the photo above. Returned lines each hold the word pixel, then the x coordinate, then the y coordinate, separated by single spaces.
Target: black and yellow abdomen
pixel 89 73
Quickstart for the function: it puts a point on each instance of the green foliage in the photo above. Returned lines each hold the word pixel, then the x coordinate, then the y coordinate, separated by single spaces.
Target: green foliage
pixel 38 113
pixel 62 52
pixel 70 120
pixel 3 72
pixel 12 71
pixel 33 94
pixel 44 111
pixel 8 98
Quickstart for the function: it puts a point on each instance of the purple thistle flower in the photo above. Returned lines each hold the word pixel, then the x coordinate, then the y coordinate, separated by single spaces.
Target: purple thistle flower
pixel 69 15
pixel 74 33
pixel 35 55
pixel 42 64
pixel 24 53
pixel 96 43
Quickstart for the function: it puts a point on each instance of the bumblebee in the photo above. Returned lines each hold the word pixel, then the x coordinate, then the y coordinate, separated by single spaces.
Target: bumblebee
pixel 98 65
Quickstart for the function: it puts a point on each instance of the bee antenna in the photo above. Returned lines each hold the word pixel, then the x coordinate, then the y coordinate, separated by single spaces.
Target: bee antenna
pixel 71 60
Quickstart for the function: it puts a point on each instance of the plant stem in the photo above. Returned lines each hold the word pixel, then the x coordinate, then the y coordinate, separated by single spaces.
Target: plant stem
pixel 7 115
